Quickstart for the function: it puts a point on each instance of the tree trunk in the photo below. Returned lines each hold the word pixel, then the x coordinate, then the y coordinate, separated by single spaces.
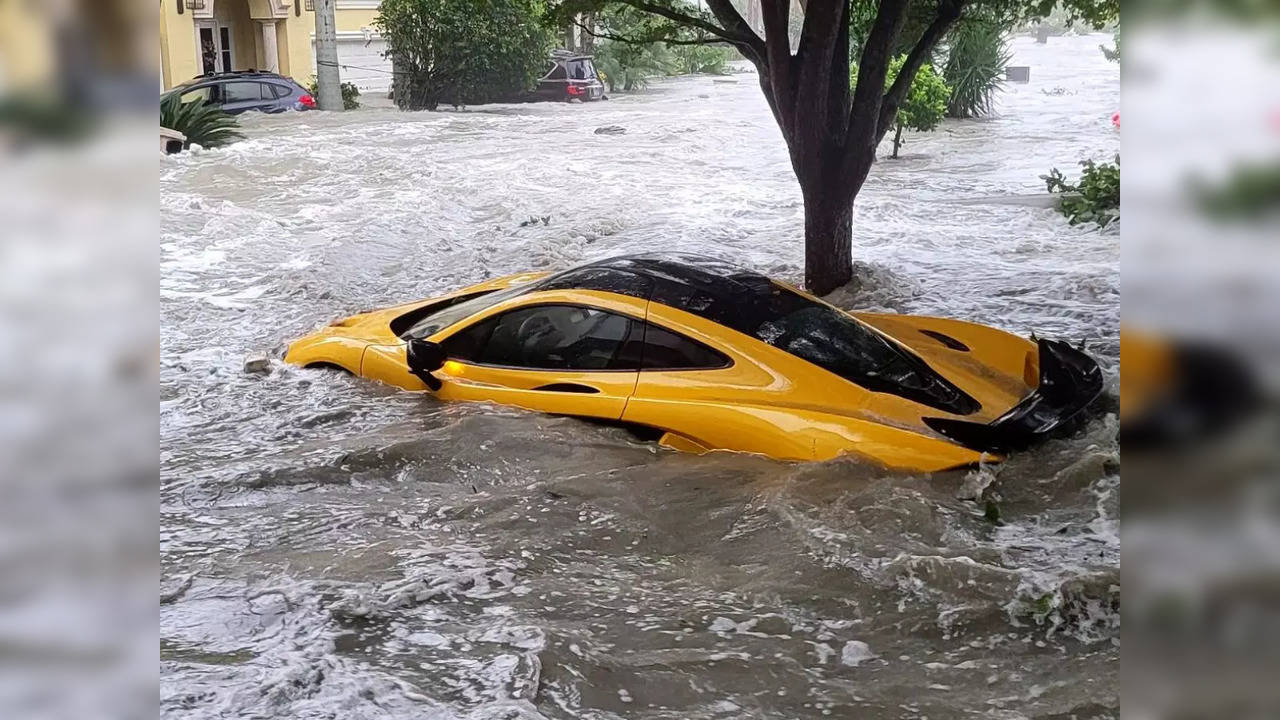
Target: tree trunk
pixel 828 237
pixel 897 139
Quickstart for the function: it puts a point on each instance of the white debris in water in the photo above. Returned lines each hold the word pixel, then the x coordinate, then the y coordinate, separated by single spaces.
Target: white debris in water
pixel 823 651
pixel 856 652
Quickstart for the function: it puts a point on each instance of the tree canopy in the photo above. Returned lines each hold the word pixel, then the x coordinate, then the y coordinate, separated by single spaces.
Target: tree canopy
pixel 463 51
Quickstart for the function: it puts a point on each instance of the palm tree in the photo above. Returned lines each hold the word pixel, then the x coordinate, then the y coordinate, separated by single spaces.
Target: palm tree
pixel 203 124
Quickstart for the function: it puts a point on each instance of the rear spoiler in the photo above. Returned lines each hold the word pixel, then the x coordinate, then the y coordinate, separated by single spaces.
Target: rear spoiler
pixel 1069 382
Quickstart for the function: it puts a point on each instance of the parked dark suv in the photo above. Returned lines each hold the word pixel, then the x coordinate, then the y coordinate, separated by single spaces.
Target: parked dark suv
pixel 569 76
pixel 245 90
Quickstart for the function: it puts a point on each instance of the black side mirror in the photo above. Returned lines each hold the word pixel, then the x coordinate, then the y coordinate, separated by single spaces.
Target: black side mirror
pixel 424 357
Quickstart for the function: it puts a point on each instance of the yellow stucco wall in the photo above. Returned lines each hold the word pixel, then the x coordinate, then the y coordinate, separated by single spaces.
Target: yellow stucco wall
pixel 26 47
pixel 354 19
pixel 178 34
pixel 179 56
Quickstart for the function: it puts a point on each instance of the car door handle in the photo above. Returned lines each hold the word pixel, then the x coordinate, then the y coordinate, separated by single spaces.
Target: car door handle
pixel 568 388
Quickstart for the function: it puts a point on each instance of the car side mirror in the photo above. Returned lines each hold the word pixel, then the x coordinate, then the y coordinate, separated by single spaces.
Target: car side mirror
pixel 425 357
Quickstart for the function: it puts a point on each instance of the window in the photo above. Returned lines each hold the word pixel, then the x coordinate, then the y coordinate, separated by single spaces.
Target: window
pixel 837 343
pixel 546 337
pixel 403 323
pixel 448 313
pixel 558 73
pixel 582 69
pixel 665 350
pixel 204 94
pixel 278 90
pixel 242 92
pixel 817 333
pixel 224 47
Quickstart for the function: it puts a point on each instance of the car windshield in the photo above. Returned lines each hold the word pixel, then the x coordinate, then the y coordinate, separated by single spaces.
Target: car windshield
pixel 451 314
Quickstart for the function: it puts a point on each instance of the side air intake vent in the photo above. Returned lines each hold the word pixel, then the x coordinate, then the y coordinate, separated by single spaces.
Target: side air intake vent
pixel 947 340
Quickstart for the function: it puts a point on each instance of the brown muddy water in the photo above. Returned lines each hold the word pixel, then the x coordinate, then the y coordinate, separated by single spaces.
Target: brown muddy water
pixel 333 548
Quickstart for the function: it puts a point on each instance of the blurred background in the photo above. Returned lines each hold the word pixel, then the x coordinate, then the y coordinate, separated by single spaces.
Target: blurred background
pixel 78 344
pixel 79 83
pixel 1201 511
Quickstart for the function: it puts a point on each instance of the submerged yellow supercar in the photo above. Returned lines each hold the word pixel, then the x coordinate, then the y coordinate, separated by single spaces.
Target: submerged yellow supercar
pixel 708 356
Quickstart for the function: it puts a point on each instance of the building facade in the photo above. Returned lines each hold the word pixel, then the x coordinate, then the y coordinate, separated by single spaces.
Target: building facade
pixel 208 36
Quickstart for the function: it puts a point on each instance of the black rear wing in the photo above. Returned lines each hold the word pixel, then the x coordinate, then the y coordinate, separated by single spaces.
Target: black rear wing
pixel 1069 382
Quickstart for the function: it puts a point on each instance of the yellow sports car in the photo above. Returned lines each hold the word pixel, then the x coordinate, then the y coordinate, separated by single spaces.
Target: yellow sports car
pixel 704 356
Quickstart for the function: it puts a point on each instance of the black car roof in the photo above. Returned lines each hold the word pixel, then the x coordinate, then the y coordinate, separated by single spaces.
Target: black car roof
pixel 754 305
pixel 701 285
pixel 234 75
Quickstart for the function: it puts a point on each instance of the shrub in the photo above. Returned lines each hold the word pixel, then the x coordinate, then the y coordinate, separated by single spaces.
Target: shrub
pixel 628 66
pixel 925 104
pixel 463 51
pixel 202 123
pixel 976 58
pixel 350 93
pixel 709 59
pixel 1095 198
pixel 1251 192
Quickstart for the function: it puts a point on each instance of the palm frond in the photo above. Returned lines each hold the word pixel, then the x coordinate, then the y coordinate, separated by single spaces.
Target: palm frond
pixel 977 54
pixel 203 124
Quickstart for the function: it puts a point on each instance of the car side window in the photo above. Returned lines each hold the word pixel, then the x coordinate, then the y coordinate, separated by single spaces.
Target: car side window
pixel 545 337
pixel 242 92
pixel 559 73
pixel 204 93
pixel 665 350
pixel 467 344
pixel 270 89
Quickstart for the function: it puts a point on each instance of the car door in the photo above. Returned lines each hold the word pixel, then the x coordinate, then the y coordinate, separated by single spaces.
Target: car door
pixel 558 358
pixel 707 397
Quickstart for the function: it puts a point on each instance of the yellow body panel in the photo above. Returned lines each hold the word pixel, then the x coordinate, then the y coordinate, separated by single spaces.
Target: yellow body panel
pixel 768 401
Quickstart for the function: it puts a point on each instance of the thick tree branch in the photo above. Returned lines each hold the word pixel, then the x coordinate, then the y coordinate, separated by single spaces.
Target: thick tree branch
pixel 820 93
pixel 739 35
pixel 683 19
pixel 648 40
pixel 821 24
pixel 780 87
pixel 948 14
pixel 729 17
pixel 864 111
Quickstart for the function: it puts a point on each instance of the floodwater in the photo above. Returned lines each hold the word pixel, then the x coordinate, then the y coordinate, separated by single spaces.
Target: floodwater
pixel 333 548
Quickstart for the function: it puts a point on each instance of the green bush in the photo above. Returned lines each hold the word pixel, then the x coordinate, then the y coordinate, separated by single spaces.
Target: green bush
pixel 202 123
pixel 1095 198
pixel 27 117
pixel 463 52
pixel 925 104
pixel 977 54
pixel 628 66
pixel 708 59
pixel 350 93
pixel 1251 192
